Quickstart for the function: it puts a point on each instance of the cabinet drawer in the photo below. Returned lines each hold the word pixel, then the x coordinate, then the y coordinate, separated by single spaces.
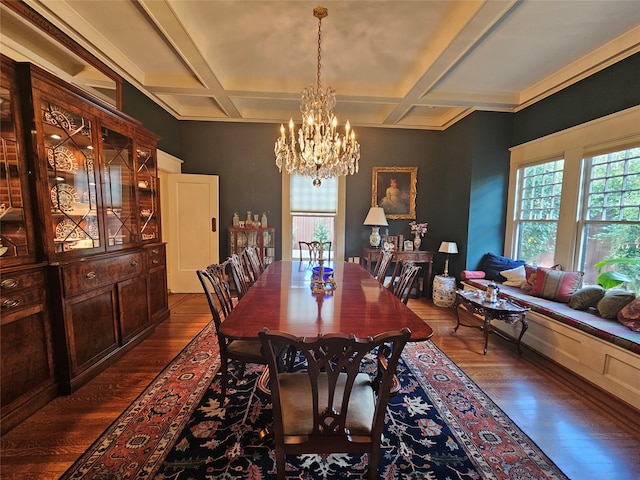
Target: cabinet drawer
pixel 156 256
pixel 17 280
pixel 83 276
pixel 20 290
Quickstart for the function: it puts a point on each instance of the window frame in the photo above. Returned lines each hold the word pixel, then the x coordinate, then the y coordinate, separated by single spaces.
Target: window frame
pixel 610 133
pixel 339 220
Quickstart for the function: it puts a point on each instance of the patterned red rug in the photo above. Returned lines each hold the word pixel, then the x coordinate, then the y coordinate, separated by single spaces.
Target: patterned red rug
pixel 440 426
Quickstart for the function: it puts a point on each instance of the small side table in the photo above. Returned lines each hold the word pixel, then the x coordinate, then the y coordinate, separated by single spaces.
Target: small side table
pixel 444 291
pixel 502 310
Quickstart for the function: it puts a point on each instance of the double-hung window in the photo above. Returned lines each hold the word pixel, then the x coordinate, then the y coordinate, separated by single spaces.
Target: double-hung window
pixel 538 211
pixel 313 211
pixel 609 220
pixel 574 199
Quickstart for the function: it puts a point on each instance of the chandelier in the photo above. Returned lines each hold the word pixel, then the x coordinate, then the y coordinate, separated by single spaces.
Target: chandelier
pixel 320 151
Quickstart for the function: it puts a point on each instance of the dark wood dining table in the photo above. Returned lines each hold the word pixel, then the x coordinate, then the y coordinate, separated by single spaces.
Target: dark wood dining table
pixel 281 299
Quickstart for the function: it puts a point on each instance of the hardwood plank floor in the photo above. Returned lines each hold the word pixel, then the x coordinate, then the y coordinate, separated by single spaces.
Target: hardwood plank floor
pixel 584 440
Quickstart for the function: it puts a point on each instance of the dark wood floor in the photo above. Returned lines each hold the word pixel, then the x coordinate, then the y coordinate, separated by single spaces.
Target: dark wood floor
pixel 581 437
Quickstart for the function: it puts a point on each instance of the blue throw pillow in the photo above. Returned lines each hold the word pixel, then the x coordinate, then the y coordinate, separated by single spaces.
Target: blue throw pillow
pixel 493 264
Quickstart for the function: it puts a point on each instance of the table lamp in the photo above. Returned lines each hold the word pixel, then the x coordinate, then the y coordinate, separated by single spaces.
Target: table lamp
pixel 375 219
pixel 447 248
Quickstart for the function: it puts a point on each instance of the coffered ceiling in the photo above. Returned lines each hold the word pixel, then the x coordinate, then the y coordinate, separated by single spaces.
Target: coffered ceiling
pixel 401 64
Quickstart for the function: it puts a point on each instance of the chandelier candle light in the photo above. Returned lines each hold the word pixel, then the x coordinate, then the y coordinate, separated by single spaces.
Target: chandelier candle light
pixel 320 151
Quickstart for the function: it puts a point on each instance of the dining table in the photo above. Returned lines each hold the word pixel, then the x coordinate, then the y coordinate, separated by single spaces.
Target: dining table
pixel 355 303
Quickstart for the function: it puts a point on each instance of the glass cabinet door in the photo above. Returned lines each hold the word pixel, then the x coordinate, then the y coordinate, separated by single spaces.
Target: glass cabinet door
pixel 71 178
pixel 147 193
pixel 118 184
pixel 14 238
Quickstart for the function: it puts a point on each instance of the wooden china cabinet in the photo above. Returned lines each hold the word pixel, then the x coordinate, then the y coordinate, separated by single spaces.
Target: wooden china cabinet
pixel 26 344
pixel 94 189
pixel 263 238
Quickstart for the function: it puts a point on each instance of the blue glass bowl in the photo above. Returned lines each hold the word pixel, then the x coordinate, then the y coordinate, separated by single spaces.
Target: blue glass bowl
pixel 327 272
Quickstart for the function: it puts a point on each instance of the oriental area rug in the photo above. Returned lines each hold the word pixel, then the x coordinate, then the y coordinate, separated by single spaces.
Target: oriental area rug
pixel 439 426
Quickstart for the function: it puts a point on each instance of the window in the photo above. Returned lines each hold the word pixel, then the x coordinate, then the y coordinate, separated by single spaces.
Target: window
pixel 540 188
pixel 313 211
pixel 610 213
pixel 574 198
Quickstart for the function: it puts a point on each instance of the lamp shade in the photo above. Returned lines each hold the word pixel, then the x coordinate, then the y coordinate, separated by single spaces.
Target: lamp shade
pixel 448 247
pixel 376 217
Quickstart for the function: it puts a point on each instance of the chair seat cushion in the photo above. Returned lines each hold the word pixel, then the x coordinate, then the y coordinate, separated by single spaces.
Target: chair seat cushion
pixel 297 404
pixel 244 348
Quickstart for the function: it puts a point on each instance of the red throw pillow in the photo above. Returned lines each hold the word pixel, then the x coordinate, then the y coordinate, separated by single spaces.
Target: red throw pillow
pixel 556 284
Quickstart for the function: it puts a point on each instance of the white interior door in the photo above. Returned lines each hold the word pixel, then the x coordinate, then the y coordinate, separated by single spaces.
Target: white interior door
pixel 193 224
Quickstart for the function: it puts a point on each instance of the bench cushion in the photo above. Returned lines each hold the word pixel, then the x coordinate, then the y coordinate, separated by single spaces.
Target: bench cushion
pixel 588 321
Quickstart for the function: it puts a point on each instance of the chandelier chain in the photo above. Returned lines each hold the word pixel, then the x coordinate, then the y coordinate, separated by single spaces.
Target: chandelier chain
pixel 319 50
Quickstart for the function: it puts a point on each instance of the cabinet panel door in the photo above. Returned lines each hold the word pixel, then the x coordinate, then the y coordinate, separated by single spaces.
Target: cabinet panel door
pixel 134 308
pixel 91 328
pixel 148 198
pixel 70 166
pixel 118 178
pixel 26 357
pixel 16 232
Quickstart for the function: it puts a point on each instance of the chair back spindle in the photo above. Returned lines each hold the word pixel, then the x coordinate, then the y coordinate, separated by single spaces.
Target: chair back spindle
pixel 407 279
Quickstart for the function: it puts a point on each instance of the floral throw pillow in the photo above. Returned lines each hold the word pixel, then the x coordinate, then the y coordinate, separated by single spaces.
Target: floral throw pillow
pixel 530 281
pixel 556 285
pixel 629 316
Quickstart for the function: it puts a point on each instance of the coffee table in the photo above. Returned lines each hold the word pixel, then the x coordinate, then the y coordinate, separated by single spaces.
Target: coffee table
pixel 502 310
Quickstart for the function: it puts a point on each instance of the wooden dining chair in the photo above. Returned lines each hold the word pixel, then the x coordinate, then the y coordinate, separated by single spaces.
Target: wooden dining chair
pixel 331 406
pixel 221 288
pixel 382 266
pixel 256 262
pixel 247 265
pixel 313 250
pixel 243 351
pixel 239 275
pixel 402 288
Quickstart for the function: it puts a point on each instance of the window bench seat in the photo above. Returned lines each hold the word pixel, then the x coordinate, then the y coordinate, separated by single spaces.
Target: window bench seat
pixel 604 352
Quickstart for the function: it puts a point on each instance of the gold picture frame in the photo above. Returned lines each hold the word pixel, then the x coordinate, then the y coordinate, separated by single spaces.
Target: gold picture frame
pixel 395 189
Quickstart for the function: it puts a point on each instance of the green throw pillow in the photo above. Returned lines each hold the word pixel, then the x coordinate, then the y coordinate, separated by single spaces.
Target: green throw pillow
pixel 613 301
pixel 586 297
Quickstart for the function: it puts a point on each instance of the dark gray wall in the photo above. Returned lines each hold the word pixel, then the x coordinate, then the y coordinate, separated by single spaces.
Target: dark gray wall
pixel 242 155
pixel 462 172
pixel 475 172
pixel 154 118
pixel 611 90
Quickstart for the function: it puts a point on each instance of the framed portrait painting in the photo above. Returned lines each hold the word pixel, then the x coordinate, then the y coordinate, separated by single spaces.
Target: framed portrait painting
pixel 394 189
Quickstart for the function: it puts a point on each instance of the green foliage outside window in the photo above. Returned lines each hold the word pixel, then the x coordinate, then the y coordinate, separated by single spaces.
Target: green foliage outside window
pixel 321 232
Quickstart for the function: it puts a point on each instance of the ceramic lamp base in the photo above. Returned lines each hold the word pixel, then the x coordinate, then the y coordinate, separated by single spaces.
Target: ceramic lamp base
pixel 374 238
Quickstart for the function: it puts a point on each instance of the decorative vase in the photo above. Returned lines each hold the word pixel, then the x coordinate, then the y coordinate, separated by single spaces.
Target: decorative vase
pixel 417 241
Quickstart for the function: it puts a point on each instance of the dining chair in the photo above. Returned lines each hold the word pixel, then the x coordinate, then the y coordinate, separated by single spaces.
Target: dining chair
pixel 243 351
pixel 247 265
pixel 331 406
pixel 223 272
pixel 255 260
pixel 313 249
pixel 239 275
pixel 382 266
pixel 403 286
